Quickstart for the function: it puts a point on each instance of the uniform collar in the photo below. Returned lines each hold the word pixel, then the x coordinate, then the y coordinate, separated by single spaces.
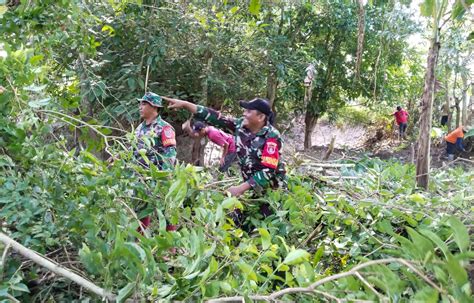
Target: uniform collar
pixel 264 130
pixel 261 132
pixel 157 119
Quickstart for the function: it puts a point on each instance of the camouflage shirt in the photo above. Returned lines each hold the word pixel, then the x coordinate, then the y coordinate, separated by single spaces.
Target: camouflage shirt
pixel 158 139
pixel 259 154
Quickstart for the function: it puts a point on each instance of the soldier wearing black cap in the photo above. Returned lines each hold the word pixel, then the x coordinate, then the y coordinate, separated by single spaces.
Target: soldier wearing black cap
pixel 258 142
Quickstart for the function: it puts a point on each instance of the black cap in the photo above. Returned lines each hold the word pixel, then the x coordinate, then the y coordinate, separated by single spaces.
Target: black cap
pixel 259 104
pixel 198 125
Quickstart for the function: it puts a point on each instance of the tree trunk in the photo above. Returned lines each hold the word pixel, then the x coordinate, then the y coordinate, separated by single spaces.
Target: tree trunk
pixel 360 38
pixel 309 119
pixel 272 84
pixel 458 112
pixel 447 110
pixel 471 105
pixel 197 156
pixel 423 156
pixel 310 123
pixel 464 100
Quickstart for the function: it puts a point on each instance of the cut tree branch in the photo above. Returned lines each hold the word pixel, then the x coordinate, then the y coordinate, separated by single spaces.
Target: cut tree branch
pixel 312 288
pixel 55 268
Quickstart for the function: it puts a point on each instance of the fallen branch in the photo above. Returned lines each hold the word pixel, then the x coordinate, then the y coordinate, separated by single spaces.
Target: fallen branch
pixel 229 180
pixel 312 288
pixel 56 268
pixel 329 165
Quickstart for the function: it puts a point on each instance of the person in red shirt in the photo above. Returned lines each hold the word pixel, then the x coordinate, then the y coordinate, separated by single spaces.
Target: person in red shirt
pixel 401 117
pixel 220 138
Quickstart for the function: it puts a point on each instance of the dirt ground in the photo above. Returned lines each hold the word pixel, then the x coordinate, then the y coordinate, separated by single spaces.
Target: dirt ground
pixel 352 142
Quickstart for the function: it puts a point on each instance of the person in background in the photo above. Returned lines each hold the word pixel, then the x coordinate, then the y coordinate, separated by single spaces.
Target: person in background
pixel 454 140
pixel 220 138
pixel 156 140
pixel 401 117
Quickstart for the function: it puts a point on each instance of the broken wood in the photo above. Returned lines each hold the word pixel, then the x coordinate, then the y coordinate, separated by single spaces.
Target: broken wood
pixel 55 268
pixel 330 165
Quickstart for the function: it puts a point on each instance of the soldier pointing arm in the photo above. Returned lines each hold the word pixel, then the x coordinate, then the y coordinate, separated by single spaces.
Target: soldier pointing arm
pixel 258 143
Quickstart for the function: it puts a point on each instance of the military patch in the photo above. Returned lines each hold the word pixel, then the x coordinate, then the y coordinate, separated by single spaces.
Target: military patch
pixel 167 136
pixel 270 153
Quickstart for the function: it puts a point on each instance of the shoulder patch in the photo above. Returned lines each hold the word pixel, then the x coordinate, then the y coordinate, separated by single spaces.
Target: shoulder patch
pixel 168 136
pixel 270 154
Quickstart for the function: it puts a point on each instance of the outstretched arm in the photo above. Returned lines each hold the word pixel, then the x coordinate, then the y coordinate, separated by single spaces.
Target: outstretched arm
pixel 176 103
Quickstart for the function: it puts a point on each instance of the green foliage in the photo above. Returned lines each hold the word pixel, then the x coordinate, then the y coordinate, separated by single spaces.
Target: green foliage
pixel 80 203
pixel 57 197
pixel 355 116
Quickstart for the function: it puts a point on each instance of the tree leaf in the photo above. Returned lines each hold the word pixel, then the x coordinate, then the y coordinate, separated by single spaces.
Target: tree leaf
pixel 126 292
pixel 427 295
pixel 35 88
pixel 417 198
pixel 254 7
pixel 456 271
pixel 266 238
pixel 427 8
pixel 39 103
pixel 422 244
pixel 247 270
pixel 436 240
pixel 317 255
pixel 470 133
pixel 20 287
pixel 297 256
pixel 461 236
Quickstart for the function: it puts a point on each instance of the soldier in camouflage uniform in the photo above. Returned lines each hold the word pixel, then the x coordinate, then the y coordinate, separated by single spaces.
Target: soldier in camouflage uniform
pixel 258 143
pixel 155 135
pixel 156 138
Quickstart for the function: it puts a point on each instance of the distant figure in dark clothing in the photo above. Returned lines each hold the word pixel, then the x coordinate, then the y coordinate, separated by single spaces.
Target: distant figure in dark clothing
pixel 444 115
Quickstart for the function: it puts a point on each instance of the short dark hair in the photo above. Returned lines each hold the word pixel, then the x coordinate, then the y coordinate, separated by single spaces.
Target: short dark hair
pixel 198 125
pixel 399 107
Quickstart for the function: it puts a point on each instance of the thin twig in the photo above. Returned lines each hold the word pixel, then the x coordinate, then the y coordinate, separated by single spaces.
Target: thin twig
pixel 358 275
pixel 311 235
pixel 4 255
pixel 409 265
pixel 134 215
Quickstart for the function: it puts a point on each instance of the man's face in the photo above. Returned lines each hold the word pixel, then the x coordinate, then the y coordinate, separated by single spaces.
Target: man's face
pixel 146 110
pixel 252 117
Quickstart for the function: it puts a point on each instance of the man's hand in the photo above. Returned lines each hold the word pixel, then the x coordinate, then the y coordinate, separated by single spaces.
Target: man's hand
pixel 2 89
pixel 221 161
pixel 238 190
pixel 176 103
